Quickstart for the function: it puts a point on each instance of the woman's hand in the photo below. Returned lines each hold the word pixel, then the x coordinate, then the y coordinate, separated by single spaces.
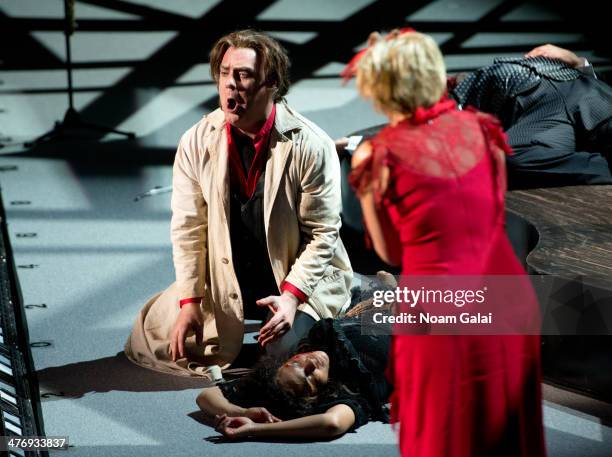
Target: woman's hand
pixel 334 422
pixel 234 427
pixel 260 415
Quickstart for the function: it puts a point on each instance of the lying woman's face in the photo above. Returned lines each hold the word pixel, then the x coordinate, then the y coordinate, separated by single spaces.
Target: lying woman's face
pixel 304 374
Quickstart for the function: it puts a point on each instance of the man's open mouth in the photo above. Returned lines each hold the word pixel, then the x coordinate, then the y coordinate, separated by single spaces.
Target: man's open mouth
pixel 232 105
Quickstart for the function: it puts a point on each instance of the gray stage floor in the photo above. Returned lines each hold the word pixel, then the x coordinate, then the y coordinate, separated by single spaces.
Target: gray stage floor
pixel 99 255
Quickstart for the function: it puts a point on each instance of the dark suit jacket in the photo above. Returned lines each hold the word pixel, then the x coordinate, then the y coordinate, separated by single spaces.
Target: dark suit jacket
pixel 557 119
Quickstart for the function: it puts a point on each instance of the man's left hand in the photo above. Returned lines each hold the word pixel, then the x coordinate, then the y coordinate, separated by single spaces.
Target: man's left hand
pixel 284 308
pixel 555 52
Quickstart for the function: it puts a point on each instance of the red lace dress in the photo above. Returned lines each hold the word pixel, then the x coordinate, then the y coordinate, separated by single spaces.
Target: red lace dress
pixel 440 175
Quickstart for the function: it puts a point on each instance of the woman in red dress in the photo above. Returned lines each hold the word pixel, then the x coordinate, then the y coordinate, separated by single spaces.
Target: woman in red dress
pixel 431 185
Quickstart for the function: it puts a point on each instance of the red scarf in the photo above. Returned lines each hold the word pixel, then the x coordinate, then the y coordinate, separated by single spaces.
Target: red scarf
pixel 248 183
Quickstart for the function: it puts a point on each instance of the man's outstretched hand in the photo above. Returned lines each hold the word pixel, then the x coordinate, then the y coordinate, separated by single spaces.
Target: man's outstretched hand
pixel 555 52
pixel 284 308
pixel 189 318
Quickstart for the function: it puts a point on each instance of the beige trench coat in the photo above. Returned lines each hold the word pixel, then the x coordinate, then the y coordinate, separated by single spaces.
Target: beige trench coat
pixel 302 221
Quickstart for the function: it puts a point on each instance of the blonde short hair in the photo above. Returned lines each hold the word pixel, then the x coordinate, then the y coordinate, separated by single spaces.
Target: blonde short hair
pixel 402 74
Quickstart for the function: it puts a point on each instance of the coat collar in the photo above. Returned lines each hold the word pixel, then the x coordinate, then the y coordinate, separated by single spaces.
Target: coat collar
pixel 286 120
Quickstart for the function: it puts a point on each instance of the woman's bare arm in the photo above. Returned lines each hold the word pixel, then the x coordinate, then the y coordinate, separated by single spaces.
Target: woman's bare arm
pixel 336 421
pixel 212 401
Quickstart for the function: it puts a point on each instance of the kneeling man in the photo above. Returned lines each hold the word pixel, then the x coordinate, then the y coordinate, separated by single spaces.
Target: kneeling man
pixel 255 221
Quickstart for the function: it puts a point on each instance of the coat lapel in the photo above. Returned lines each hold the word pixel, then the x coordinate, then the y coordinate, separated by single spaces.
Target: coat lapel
pixel 275 169
pixel 220 170
pixel 280 147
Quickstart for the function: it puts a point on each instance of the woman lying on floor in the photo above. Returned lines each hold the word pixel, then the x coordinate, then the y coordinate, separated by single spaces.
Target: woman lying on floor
pixel 334 383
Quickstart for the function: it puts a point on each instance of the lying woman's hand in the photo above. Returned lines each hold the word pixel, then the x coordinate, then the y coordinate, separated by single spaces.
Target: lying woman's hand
pixel 261 415
pixel 234 427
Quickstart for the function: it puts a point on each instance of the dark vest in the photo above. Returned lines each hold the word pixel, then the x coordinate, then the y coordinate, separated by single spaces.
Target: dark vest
pixel 249 247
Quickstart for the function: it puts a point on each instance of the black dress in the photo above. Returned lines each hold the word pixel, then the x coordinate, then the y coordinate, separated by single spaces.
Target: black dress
pixel 358 363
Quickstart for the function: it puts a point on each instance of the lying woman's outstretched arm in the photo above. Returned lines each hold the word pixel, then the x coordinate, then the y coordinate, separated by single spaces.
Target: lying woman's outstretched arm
pixel 212 401
pixel 334 422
